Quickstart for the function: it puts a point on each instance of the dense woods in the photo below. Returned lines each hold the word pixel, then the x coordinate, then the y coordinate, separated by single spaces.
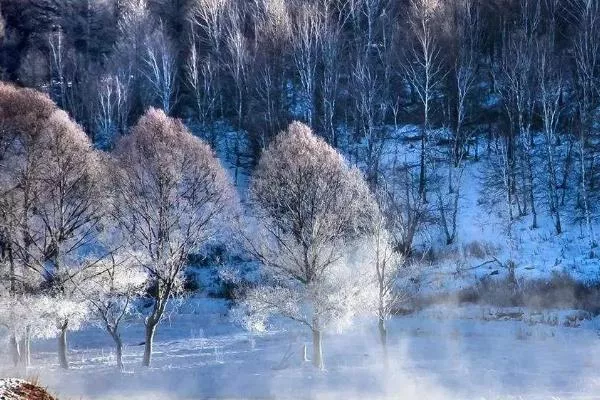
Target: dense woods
pixel 238 72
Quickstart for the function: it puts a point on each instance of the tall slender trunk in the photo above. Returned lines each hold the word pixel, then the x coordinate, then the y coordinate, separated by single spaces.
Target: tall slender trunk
pixel 534 223
pixel 15 350
pixel 118 345
pixel 584 195
pixel 25 348
pixel 383 336
pixel 150 329
pixel 552 180
pixel 62 346
pixel 119 350
pixel 317 349
pixel 422 170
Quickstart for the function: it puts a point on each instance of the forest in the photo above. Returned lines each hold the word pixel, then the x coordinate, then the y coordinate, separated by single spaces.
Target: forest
pixel 329 159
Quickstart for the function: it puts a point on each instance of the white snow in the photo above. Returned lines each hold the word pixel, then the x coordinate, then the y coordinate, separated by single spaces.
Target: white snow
pixel 442 353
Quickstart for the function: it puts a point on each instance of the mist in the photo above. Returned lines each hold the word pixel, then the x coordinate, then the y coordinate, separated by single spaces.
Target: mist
pixel 441 353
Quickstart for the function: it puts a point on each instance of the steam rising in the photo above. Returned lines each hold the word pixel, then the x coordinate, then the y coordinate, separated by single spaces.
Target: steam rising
pixel 444 353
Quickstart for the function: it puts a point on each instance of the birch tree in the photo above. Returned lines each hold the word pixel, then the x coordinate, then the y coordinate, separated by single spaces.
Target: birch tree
pixel 587 61
pixel 111 288
pixel 209 21
pixel 386 262
pixel 161 69
pixel 239 58
pixel 552 81
pixel 173 197
pixel 308 30
pixel 201 77
pixel 311 208
pixel 515 83
pixel 52 195
pixel 424 71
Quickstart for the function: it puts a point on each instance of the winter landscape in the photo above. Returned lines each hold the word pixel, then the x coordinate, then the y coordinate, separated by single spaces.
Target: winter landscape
pixel 298 199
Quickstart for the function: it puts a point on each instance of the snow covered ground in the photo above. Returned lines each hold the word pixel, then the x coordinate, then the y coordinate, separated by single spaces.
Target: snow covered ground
pixel 440 353
pixel 483 235
pixel 473 352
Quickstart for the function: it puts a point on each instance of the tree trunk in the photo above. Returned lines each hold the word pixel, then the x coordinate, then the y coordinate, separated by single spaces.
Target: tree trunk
pixel 383 340
pixel 15 350
pixel 383 334
pixel 317 349
pixel 25 349
pixel 119 349
pixel 150 328
pixel 62 346
pixel 557 223
pixel 422 171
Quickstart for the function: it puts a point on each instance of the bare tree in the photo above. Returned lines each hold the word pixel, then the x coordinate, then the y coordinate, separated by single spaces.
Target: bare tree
pixel 401 204
pixel 366 89
pixel 113 108
pixel 310 207
pixel 468 37
pixel 515 81
pixel 551 79
pixel 330 82
pixel 52 194
pixel 111 288
pixel 271 60
pixel 161 69
pixel 425 72
pixel 239 58
pixel 211 17
pixel 209 20
pixel 465 34
pixel 173 196
pixel 58 55
pixel 201 78
pixel 309 24
pixel 387 262
pixel 586 18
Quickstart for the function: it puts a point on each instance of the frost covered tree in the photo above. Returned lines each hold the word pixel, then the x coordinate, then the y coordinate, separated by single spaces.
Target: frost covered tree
pixel 113 108
pixel 51 199
pixel 172 197
pixel 22 115
pixel 425 72
pixel 68 208
pixel 25 317
pixel 111 288
pixel 386 262
pixel 586 44
pixel 161 69
pixel 311 208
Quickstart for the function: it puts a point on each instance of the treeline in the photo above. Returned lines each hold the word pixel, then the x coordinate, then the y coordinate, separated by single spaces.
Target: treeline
pixel 258 64
pixel 88 236
pixel 515 82
pixel 501 70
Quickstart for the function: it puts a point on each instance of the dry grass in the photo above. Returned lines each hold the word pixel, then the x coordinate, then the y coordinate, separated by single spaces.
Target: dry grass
pixel 32 391
pixel 29 389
